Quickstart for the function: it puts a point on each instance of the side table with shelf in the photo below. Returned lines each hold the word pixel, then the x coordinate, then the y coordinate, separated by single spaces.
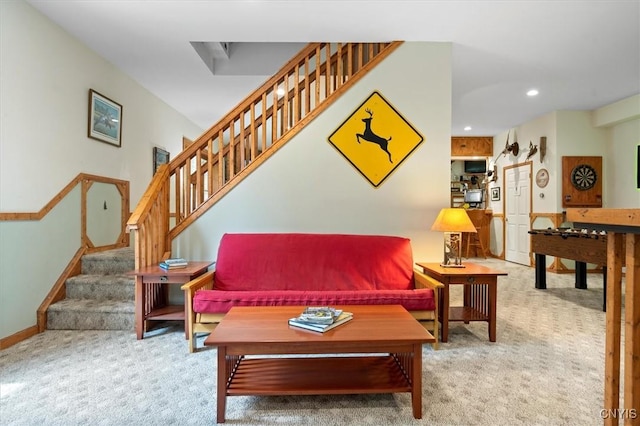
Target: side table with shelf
pixel 479 295
pixel 152 293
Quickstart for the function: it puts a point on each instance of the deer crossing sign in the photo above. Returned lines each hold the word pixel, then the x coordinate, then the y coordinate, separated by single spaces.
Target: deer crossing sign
pixel 375 139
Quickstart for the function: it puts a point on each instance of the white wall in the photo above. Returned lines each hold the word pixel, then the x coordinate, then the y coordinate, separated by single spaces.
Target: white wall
pixel 309 187
pixel 531 132
pixel 577 136
pixel 621 120
pixel 612 132
pixel 620 187
pixel 568 133
pixel 45 76
pixel 33 254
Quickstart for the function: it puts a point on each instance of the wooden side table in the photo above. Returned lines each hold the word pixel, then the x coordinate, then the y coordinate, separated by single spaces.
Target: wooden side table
pixel 479 295
pixel 152 294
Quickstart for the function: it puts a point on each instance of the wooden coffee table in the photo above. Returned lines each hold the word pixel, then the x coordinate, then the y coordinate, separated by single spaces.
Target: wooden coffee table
pixel 388 338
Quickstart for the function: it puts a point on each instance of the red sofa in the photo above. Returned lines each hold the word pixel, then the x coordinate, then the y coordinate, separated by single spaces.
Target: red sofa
pixel 309 269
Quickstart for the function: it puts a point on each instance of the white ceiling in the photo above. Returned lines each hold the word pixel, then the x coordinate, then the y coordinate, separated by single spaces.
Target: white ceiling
pixel 580 55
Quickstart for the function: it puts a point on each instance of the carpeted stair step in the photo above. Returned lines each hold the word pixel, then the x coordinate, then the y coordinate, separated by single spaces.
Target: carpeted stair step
pixel 101 287
pixel 110 262
pixel 87 314
pixel 101 298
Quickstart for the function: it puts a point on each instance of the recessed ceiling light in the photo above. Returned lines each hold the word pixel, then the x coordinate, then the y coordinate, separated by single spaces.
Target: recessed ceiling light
pixel 532 92
pixel 467 128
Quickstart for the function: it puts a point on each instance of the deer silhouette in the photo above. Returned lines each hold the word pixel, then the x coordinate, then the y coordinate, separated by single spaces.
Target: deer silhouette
pixel 369 136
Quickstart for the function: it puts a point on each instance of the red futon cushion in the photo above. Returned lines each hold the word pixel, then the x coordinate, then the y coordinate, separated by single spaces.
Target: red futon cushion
pixel 329 262
pixel 215 301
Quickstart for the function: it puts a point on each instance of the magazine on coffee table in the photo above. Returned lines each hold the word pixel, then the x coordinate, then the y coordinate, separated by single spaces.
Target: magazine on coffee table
pixel 300 322
pixel 320 314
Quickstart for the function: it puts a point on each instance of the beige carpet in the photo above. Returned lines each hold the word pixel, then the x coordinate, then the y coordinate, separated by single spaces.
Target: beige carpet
pixel 546 368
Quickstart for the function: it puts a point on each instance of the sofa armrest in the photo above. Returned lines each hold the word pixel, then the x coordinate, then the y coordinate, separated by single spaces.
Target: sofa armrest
pixel 205 281
pixel 425 281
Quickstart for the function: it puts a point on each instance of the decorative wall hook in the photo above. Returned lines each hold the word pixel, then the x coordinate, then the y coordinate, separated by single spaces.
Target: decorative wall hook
pixel 543 147
pixel 514 148
pixel 492 175
pixel 532 150
pixel 505 151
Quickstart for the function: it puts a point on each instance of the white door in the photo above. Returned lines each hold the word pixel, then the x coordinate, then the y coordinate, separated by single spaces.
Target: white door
pixel 517 212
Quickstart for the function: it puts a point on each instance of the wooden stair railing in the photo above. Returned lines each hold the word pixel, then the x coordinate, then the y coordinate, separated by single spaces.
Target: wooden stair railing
pixel 255 129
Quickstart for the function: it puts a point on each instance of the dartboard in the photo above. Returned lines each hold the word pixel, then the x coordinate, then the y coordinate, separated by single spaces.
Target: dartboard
pixel 583 177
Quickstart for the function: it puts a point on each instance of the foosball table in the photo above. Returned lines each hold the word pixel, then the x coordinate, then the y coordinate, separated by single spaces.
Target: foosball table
pixel 581 245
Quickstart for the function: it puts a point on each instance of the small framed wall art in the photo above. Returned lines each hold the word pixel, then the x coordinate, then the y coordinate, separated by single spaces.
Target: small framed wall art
pixel 495 194
pixel 105 119
pixel 160 156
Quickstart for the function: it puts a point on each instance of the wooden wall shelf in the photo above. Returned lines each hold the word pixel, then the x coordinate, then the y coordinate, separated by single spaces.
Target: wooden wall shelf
pixel 472 146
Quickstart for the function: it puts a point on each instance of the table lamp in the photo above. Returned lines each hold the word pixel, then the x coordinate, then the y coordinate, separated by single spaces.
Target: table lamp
pixel 453 222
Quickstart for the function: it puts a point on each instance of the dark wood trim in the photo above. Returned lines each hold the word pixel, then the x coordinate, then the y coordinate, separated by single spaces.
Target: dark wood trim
pixel 18 337
pixel 58 290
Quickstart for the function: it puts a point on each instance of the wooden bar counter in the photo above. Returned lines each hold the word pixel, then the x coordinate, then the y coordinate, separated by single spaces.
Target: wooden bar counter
pixel 619 223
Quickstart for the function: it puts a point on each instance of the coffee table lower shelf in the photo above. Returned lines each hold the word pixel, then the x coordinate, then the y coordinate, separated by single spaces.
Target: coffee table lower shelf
pixel 318 375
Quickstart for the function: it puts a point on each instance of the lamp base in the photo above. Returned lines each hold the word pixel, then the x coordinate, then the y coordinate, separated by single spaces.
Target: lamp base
pixel 452 250
pixel 452 266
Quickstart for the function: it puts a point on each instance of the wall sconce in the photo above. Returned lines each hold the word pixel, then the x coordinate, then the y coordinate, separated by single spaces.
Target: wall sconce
pixel 453 222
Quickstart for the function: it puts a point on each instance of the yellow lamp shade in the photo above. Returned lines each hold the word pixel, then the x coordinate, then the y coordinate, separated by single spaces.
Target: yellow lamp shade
pixel 453 220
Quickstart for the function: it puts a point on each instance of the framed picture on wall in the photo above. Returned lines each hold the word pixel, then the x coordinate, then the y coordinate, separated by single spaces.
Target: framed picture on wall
pixel 495 194
pixel 160 156
pixel 105 119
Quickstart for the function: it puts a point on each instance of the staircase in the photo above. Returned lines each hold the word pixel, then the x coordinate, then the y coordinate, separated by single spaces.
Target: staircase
pixel 101 297
pixel 207 169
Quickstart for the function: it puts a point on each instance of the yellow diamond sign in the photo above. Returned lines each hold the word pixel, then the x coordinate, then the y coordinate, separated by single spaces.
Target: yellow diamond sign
pixel 376 139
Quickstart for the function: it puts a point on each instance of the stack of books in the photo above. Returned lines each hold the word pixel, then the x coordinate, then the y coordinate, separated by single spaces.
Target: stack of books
pixel 320 319
pixel 173 263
